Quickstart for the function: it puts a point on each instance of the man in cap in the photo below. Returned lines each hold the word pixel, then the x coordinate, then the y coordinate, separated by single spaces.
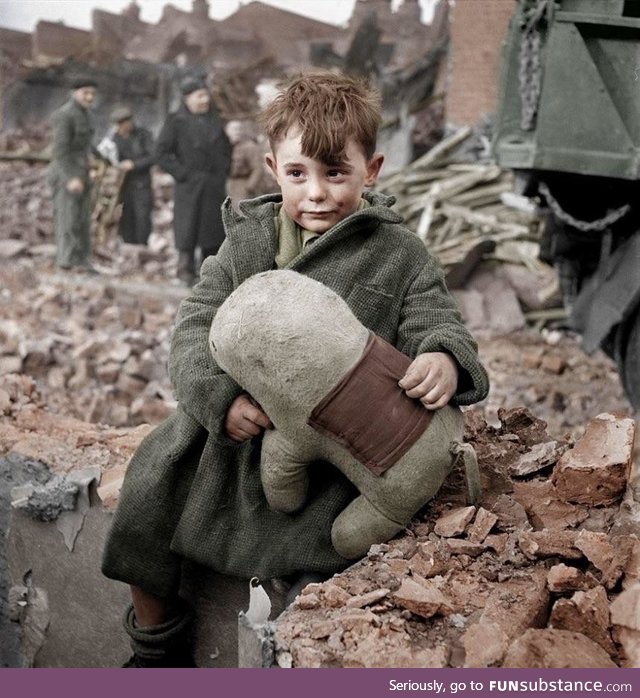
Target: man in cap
pixel 69 176
pixel 194 149
pixel 134 146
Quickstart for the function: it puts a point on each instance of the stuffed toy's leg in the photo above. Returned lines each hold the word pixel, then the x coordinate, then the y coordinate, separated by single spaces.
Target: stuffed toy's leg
pixel 284 472
pixel 388 503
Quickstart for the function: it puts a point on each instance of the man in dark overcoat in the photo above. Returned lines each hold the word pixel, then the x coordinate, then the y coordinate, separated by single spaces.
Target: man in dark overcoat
pixel 69 176
pixel 135 157
pixel 194 149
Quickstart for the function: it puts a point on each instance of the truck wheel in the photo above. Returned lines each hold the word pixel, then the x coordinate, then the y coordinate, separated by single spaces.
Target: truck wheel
pixel 630 373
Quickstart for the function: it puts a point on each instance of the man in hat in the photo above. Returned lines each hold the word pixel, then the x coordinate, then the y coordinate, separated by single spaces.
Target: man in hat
pixel 194 149
pixel 69 176
pixel 134 146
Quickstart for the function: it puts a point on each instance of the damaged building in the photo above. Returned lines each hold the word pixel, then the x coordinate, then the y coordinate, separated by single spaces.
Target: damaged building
pixel 141 63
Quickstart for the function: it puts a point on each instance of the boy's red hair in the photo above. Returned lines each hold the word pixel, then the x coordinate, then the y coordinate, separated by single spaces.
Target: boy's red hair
pixel 329 109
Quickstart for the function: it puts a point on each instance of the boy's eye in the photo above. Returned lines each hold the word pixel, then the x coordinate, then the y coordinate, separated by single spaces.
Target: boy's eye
pixel 335 173
pixel 295 173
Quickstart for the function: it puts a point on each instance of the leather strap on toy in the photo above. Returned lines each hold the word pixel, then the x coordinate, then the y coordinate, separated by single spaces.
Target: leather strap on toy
pixel 369 413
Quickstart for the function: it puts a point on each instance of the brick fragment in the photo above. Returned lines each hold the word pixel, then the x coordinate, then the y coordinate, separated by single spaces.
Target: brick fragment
pixel 596 470
pixel 544 506
pixel 465 547
pixel 422 599
pixel 625 615
pixel 513 606
pixel 538 457
pixel 562 578
pixel 366 599
pixel 543 544
pixel 556 649
pixel 482 525
pixel 586 612
pixel 454 522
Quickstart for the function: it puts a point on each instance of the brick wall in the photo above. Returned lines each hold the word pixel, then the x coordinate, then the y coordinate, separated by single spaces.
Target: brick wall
pixel 15 44
pixel 477 30
pixel 59 41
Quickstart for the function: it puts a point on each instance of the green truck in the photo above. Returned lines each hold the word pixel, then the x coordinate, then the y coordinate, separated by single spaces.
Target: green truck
pixel 568 124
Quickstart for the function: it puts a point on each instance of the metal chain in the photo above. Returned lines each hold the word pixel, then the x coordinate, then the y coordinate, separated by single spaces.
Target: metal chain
pixel 530 69
pixel 583 226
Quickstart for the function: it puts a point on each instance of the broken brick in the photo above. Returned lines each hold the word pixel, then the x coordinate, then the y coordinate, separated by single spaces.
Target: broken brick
pixel 544 506
pixel 543 544
pixel 454 522
pixel 586 612
pixel 596 470
pixel 556 649
pixel 538 457
pixel 482 525
pixel 512 607
pixel 562 578
pixel 423 600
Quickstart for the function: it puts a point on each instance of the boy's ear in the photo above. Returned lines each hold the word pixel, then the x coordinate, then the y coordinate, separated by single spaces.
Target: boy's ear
pixel 373 169
pixel 270 159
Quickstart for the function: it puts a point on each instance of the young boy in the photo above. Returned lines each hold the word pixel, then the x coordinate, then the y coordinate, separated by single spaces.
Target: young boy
pixel 193 488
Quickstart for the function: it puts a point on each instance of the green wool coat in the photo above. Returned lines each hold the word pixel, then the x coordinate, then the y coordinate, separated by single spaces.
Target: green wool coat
pixel 192 492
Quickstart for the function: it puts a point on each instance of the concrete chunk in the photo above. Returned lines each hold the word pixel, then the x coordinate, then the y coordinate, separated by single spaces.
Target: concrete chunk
pixel 596 470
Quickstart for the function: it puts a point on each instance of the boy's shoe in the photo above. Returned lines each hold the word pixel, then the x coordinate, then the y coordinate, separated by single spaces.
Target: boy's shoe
pixel 175 661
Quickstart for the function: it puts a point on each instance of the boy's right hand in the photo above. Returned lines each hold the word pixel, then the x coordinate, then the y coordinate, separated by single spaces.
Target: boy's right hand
pixel 245 419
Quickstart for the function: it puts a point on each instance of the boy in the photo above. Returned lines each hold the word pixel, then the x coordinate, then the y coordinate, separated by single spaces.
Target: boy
pixel 193 488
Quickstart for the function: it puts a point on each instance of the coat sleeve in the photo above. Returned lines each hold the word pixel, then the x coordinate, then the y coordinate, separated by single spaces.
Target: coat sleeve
pixel 63 133
pixel 166 151
pixel 430 321
pixel 145 161
pixel 203 389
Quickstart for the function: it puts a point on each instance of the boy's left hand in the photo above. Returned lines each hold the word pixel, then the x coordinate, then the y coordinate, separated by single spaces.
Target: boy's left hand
pixel 432 378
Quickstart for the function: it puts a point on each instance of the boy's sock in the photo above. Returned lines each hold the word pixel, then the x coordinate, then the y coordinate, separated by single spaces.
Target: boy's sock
pixel 167 645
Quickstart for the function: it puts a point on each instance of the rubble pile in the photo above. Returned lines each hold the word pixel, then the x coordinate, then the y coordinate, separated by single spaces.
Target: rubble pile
pixel 486 237
pixel 26 226
pixel 97 351
pixel 29 430
pixel 551 375
pixel 544 572
pixel 35 140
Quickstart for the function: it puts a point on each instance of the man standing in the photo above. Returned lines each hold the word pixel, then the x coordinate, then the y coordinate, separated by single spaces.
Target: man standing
pixel 249 176
pixel 135 157
pixel 194 149
pixel 69 177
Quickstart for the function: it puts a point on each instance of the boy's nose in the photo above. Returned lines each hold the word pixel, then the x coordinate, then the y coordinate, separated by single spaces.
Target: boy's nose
pixel 316 191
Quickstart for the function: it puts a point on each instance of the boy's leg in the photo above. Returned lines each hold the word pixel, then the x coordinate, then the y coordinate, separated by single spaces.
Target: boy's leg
pixel 159 630
pixel 149 608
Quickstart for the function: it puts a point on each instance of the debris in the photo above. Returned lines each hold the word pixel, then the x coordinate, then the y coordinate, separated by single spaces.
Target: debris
pixel 596 470
pixel 556 649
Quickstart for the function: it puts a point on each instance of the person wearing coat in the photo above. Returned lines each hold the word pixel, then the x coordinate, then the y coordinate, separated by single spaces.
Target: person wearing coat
pixel 193 147
pixel 134 145
pixel 207 502
pixel 69 177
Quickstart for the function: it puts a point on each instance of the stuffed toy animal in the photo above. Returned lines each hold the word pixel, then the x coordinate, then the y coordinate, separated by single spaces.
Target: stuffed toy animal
pixel 330 387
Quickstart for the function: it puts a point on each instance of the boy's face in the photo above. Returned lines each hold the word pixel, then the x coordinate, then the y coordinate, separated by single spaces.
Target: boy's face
pixel 317 195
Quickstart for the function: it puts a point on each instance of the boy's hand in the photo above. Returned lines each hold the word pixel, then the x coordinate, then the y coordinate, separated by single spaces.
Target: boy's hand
pixel 245 419
pixel 432 377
